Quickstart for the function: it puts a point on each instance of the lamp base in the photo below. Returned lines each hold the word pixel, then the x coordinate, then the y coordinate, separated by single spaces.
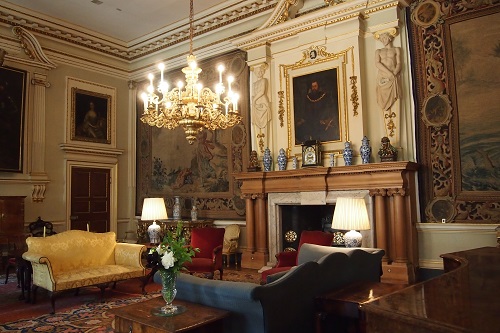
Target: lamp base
pixel 154 233
pixel 353 238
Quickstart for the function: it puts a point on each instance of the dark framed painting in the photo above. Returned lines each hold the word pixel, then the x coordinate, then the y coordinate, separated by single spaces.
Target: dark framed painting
pixel 316 107
pixel 458 49
pixel 315 99
pixel 90 116
pixel 12 97
pixel 202 172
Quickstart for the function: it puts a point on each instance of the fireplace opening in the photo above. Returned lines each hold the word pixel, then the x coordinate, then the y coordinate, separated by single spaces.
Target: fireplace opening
pixel 285 214
pixel 297 218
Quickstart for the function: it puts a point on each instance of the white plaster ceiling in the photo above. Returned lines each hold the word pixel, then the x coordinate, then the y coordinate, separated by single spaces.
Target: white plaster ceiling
pixel 125 20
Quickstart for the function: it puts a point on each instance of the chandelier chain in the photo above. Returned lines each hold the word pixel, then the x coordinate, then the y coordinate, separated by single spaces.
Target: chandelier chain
pixel 191 19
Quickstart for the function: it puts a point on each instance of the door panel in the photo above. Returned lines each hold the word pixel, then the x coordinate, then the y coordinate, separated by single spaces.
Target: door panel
pixel 90 199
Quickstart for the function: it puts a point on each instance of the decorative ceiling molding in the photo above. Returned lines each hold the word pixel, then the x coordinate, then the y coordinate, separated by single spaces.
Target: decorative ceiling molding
pixel 153 44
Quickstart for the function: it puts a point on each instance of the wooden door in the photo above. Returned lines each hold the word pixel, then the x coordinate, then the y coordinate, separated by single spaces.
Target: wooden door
pixel 90 199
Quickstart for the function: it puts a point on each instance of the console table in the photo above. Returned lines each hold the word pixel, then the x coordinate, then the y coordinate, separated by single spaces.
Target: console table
pixel 170 225
pixel 463 299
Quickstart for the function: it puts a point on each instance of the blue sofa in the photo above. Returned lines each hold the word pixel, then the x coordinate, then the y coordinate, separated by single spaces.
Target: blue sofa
pixel 285 304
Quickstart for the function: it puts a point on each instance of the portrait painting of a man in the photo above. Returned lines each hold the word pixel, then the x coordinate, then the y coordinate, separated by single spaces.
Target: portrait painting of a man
pixel 316 107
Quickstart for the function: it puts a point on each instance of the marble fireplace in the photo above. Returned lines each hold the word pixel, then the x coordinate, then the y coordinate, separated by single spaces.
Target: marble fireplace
pixel 390 191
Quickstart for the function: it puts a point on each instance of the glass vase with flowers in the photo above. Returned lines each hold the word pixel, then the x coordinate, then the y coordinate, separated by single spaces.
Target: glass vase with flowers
pixel 169 258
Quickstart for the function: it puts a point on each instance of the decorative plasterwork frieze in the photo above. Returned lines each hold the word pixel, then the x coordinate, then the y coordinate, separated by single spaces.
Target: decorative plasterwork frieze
pixel 135 50
pixel 32 47
pixel 285 10
pixel 274 29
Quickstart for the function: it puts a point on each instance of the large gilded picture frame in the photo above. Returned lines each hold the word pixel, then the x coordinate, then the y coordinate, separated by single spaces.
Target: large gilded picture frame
pixel 91 113
pixel 456 45
pixel 12 96
pixel 325 73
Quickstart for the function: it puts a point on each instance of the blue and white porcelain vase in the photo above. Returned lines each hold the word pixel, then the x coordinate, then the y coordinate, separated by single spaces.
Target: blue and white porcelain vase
pixel 176 210
pixel 347 154
pixel 267 160
pixel 282 160
pixel 295 162
pixel 365 150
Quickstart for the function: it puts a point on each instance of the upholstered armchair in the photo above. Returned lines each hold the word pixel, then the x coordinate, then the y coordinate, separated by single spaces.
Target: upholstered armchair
pixel 209 257
pixel 288 259
pixel 231 243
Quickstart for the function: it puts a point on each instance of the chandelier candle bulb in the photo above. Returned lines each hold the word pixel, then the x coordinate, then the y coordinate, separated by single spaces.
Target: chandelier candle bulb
pixel 221 69
pixel 161 66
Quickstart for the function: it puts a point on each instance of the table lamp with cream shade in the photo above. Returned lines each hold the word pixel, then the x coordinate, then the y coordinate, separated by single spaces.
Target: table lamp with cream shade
pixel 351 214
pixel 154 209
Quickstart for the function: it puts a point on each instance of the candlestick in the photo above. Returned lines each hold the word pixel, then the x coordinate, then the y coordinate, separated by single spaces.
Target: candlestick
pixel 88 229
pixel 44 228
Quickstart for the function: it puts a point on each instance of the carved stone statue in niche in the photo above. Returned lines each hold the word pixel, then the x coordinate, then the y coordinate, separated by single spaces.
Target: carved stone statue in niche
pixel 261 106
pixel 388 63
pixel 387 60
pixel 261 109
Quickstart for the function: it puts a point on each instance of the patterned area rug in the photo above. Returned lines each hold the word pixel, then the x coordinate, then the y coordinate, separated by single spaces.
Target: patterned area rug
pixel 83 313
pixel 90 317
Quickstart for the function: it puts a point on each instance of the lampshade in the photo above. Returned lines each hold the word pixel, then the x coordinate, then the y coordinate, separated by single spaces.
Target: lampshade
pixel 154 209
pixel 351 214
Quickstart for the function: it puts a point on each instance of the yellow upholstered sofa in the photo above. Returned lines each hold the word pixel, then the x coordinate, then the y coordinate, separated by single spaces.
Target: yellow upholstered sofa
pixel 75 258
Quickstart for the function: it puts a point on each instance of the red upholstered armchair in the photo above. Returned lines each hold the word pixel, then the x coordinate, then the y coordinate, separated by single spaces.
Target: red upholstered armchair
pixel 288 259
pixel 209 258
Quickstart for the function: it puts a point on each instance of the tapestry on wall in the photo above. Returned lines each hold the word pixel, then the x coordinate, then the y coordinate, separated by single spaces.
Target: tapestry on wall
pixel 201 173
pixel 457 45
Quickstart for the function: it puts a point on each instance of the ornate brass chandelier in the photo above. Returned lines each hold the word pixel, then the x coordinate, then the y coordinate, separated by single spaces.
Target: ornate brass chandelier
pixel 193 107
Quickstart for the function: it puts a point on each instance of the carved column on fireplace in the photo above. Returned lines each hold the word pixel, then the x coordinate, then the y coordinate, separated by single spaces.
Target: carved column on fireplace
pixel 391 184
pixel 256 251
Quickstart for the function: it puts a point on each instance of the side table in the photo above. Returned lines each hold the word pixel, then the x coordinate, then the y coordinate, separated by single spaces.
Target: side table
pixel 341 308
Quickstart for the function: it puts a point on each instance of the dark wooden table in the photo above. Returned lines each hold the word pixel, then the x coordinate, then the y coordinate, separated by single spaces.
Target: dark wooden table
pixel 340 309
pixel 463 299
pixel 139 318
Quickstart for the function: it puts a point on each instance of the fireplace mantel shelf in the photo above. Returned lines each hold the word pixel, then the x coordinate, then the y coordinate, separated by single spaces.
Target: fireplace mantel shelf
pixel 392 186
pixel 365 176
